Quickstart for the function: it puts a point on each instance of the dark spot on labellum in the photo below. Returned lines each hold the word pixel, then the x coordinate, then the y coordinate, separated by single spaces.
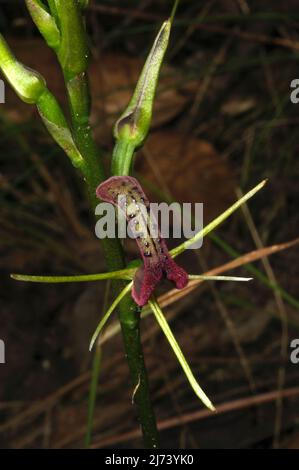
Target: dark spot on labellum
pixel 157 262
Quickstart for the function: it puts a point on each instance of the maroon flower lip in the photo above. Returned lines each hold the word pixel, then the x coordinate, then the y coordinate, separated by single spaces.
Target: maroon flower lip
pixel 126 193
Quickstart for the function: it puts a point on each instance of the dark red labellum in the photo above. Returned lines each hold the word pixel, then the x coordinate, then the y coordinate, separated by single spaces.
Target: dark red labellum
pixel 126 193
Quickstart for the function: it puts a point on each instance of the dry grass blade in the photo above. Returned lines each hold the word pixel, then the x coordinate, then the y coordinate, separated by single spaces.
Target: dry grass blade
pixel 44 405
pixel 239 404
pixel 284 342
pixel 174 295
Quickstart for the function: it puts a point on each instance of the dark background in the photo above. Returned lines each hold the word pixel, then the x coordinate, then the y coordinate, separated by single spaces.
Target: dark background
pixel 223 120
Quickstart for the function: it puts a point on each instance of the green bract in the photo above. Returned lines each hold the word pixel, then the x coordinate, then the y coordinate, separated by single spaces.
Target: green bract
pixel 45 22
pixel 134 123
pixel 57 126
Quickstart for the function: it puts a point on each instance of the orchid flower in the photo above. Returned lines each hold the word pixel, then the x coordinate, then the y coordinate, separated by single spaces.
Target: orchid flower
pixel 143 280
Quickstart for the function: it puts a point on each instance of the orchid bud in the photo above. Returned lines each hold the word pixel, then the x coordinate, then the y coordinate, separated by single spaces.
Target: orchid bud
pixel 134 123
pixel 44 22
pixel 27 83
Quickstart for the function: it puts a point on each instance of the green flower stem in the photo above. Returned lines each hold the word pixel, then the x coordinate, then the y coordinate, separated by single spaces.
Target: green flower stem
pixel 130 132
pixel 130 326
pixel 79 101
pixel 129 315
pixel 122 158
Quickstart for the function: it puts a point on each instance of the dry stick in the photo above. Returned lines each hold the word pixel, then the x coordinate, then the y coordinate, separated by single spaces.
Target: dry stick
pixel 190 30
pixel 281 376
pixel 231 329
pixel 261 38
pixel 77 435
pixel 203 88
pixel 51 400
pixel 28 438
pixel 239 404
pixel 42 405
pixel 65 204
pixel 174 294
pixel 170 391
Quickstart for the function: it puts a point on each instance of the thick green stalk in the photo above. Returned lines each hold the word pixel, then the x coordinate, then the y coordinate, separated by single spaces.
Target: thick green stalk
pixel 130 326
pixel 129 314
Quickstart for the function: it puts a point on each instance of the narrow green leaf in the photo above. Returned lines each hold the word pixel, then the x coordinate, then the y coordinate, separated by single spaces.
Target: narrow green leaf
pixel 221 218
pixel 96 368
pixel 174 10
pixel 125 274
pixel 108 313
pixel 220 278
pixel 178 352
